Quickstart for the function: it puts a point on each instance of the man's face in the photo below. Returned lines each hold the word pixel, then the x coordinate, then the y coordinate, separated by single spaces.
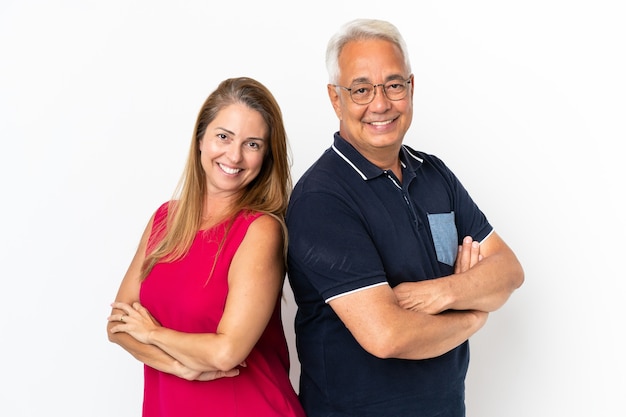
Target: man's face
pixel 375 129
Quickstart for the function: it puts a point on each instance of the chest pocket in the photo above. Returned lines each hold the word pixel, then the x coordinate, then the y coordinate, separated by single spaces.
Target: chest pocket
pixel 445 238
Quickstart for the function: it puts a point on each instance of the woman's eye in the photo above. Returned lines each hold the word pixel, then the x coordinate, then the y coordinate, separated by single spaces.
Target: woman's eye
pixel 254 145
pixel 222 136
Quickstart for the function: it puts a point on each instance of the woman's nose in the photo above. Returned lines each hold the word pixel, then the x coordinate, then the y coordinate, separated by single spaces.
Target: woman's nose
pixel 234 153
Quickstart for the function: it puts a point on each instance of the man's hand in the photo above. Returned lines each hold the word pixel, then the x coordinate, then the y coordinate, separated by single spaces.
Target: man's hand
pixel 468 256
pixel 430 296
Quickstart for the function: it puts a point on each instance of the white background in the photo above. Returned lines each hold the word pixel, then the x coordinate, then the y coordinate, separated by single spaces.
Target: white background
pixel 523 100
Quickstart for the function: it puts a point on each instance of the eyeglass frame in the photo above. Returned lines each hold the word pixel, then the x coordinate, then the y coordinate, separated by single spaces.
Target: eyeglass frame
pixel 382 85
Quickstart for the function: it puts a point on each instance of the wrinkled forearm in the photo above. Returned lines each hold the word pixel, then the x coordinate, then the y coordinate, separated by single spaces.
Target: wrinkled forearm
pixel 423 336
pixel 385 329
pixel 488 285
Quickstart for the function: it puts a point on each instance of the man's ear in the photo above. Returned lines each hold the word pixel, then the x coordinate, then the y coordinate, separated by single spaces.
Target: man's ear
pixel 335 99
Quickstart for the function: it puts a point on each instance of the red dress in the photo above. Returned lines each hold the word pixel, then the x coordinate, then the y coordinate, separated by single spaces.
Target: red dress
pixel 179 296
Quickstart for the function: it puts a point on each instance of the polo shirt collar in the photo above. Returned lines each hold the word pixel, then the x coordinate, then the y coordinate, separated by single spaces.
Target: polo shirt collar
pixel 367 170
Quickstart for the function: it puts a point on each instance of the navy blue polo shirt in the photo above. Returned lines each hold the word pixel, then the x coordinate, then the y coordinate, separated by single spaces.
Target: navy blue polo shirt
pixel 352 226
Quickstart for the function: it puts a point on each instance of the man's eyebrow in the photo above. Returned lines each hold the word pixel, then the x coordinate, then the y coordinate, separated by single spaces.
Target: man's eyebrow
pixel 391 77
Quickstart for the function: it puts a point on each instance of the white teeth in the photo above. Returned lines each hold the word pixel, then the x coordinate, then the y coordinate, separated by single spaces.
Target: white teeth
pixel 381 123
pixel 229 170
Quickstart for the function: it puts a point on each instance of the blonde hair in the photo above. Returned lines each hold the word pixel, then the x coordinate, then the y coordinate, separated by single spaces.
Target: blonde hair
pixel 267 193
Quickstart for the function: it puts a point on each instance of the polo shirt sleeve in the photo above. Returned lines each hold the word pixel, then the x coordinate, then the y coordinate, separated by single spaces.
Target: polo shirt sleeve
pixel 471 221
pixel 330 247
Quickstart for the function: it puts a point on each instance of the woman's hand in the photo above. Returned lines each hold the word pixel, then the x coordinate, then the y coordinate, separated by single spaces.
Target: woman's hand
pixel 192 375
pixel 135 320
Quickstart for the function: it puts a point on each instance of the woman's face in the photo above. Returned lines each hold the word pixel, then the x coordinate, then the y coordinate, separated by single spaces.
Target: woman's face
pixel 233 148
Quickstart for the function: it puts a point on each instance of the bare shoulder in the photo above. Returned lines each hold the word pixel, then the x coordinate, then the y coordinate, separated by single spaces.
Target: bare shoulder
pixel 260 254
pixel 265 224
pixel 264 234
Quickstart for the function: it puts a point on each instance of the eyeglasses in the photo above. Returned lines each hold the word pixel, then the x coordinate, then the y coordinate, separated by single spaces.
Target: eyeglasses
pixel 364 93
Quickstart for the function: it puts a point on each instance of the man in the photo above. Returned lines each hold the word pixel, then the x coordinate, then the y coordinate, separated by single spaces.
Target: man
pixel 383 318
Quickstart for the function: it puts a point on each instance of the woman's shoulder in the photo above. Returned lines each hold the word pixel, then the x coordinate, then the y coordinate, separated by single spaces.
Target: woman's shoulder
pixel 164 207
pixel 259 222
pixel 256 217
pixel 263 231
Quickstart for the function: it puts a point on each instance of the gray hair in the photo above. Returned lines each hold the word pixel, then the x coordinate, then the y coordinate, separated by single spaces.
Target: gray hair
pixel 360 29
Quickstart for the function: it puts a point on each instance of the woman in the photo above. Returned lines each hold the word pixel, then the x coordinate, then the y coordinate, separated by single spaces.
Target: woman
pixel 200 302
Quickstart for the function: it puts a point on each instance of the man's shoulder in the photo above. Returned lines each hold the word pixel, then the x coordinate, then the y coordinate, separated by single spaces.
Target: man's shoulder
pixel 412 154
pixel 420 161
pixel 325 171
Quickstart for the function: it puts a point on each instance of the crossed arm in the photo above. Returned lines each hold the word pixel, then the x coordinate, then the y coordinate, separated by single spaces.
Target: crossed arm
pixel 255 280
pixel 419 320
